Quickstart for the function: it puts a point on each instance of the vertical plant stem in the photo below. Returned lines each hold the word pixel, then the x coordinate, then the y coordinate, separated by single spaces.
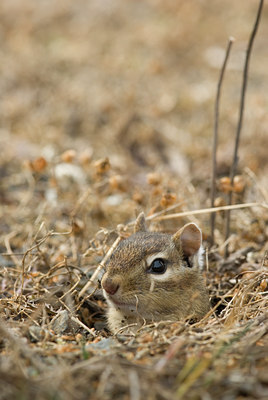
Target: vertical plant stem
pixel 241 114
pixel 215 136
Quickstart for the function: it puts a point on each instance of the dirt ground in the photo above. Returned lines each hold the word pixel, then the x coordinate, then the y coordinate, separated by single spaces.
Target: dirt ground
pixel 106 110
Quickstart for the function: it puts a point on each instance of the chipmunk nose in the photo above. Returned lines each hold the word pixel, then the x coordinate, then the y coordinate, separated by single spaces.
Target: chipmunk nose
pixel 109 285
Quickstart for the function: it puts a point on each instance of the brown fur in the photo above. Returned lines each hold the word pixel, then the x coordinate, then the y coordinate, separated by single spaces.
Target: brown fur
pixel 141 296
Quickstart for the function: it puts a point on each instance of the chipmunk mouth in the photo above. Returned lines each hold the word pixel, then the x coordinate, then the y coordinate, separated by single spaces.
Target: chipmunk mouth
pixel 125 306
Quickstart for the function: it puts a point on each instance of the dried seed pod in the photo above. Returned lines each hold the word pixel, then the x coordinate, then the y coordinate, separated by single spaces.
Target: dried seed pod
pixel 225 184
pixel 263 285
pixel 168 199
pixel 79 338
pixel 78 226
pixel 219 202
pixel 86 156
pixel 239 184
pixel 102 166
pixel 38 165
pixel 154 178
pixel 138 197
pixel 68 156
pixel 157 191
pixel 118 182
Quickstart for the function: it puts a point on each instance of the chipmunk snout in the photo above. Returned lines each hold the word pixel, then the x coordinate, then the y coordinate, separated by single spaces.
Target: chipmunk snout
pixel 109 285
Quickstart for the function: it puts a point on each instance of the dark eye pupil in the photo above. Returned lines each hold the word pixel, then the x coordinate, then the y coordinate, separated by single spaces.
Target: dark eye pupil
pixel 158 266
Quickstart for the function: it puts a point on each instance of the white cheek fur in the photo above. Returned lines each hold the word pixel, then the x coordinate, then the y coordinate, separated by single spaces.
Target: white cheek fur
pixel 106 296
pixel 167 275
pixel 200 257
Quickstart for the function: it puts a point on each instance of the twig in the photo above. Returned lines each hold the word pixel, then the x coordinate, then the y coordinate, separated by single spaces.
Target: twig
pixel 215 136
pixel 157 214
pixel 8 247
pixel 12 254
pixel 83 326
pixel 100 267
pixel 80 201
pixel 35 246
pixel 40 241
pixel 260 187
pixel 241 113
pixel 72 288
pixel 211 210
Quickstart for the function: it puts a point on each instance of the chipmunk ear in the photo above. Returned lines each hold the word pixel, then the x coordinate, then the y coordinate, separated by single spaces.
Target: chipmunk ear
pixel 140 223
pixel 188 239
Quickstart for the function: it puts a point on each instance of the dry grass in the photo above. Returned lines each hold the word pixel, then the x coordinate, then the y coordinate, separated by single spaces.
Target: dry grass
pixel 80 83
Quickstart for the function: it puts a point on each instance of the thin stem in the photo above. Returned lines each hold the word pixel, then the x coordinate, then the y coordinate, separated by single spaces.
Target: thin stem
pixel 241 114
pixel 210 210
pixel 215 136
pixel 101 266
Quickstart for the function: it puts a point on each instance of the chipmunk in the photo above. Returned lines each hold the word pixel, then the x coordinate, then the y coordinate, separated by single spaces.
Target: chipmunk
pixel 154 276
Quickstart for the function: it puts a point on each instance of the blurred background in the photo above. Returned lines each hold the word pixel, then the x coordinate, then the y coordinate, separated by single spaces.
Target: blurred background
pixel 134 81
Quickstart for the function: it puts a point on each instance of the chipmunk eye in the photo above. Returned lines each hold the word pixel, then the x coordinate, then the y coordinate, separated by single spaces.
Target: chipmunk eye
pixel 158 266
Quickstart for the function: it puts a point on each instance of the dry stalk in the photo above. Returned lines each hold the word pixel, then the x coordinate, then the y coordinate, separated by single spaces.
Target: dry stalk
pixel 261 189
pixel 211 210
pixel 83 326
pixel 9 250
pixel 241 114
pixel 157 214
pixel 70 291
pixel 215 136
pixel 80 201
pixel 244 297
pixel 26 254
pixel 100 267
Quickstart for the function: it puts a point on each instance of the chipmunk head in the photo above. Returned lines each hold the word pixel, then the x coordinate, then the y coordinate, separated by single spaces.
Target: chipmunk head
pixel 153 276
